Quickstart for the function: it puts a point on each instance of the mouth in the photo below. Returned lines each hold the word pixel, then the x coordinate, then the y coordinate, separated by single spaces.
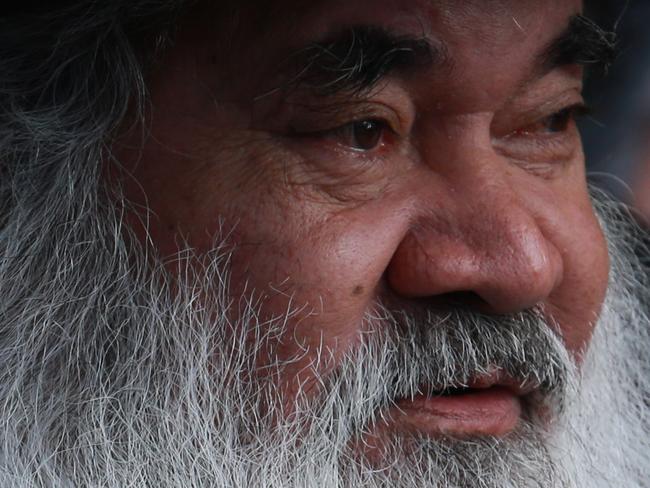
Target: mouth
pixel 489 406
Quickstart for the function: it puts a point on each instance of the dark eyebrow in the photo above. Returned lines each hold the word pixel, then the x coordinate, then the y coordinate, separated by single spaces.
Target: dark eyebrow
pixel 582 43
pixel 357 58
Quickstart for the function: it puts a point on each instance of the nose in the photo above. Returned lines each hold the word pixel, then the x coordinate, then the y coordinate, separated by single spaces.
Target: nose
pixel 475 238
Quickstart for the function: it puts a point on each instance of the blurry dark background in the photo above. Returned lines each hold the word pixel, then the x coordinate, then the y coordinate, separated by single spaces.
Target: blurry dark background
pixel 617 134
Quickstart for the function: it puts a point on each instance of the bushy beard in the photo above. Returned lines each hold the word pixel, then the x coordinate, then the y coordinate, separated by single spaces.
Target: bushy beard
pixel 118 372
pixel 405 353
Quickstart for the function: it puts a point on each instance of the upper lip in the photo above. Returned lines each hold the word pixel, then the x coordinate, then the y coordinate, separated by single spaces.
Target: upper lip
pixel 517 387
pixel 497 378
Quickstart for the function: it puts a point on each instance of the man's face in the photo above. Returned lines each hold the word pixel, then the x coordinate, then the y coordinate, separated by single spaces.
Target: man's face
pixel 411 155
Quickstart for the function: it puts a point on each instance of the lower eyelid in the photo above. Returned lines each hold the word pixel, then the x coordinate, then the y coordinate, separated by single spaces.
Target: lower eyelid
pixel 547 148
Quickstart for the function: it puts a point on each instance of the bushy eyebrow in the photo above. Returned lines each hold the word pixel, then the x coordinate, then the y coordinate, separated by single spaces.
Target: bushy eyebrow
pixel 582 43
pixel 357 58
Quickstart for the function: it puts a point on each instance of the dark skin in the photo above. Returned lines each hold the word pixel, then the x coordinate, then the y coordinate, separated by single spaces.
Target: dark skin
pixel 460 179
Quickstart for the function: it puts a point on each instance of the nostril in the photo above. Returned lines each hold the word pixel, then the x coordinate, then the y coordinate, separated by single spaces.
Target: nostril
pixel 458 300
pixel 466 299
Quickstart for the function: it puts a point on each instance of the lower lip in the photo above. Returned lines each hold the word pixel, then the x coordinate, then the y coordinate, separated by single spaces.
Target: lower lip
pixel 491 412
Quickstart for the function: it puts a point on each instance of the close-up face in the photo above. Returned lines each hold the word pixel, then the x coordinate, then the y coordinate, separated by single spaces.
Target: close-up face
pixel 334 243
pixel 404 154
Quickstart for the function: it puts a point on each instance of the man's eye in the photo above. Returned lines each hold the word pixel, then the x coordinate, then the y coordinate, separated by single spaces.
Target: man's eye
pixel 362 135
pixel 556 123
pixel 559 122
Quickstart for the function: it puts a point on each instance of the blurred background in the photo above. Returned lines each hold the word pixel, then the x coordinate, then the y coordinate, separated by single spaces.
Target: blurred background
pixel 617 134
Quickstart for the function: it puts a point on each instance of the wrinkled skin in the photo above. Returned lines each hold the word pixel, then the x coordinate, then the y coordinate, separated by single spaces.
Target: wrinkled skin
pixel 470 195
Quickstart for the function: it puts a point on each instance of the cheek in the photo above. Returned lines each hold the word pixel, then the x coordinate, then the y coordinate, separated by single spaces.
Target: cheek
pixel 577 302
pixel 327 271
pixel 322 278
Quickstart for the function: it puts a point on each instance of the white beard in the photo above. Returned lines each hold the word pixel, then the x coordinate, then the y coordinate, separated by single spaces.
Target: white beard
pixel 116 377
pixel 604 440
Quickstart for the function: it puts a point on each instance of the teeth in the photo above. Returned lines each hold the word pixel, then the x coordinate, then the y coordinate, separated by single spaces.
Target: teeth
pixel 451 391
pixel 456 391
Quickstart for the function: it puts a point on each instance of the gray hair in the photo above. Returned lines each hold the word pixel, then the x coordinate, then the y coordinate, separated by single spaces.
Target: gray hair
pixel 69 76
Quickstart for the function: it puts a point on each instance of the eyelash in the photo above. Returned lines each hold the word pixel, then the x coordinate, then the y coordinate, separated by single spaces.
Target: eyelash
pixel 564 117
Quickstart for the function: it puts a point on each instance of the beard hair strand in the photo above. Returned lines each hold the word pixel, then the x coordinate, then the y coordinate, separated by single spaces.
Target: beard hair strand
pixel 117 372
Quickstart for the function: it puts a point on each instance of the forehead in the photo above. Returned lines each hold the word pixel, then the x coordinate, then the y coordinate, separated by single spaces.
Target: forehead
pixel 475 20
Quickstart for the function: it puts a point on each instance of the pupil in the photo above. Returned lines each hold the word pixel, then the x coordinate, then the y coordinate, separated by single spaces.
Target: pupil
pixel 367 134
pixel 560 121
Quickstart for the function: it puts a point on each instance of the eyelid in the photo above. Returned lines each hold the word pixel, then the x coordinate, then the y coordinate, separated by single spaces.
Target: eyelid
pixel 390 101
pixel 541 148
pixel 573 112
pixel 528 111
pixel 314 121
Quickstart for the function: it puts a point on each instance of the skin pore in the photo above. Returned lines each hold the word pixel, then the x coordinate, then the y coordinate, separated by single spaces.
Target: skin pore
pixel 455 182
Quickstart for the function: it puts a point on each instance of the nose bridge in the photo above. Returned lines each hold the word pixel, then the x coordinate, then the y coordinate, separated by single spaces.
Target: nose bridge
pixel 477 235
